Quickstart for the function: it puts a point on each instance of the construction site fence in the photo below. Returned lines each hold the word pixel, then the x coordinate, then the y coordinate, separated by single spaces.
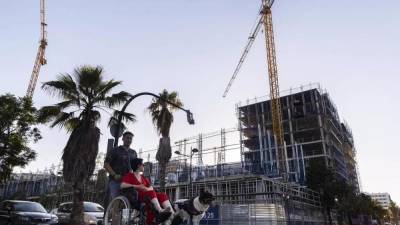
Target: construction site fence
pixel 260 213
pixel 263 210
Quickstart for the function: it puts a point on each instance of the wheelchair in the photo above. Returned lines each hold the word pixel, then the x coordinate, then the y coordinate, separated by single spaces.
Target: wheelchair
pixel 126 210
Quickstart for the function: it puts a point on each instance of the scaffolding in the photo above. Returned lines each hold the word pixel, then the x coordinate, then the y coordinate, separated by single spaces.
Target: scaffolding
pixel 312 131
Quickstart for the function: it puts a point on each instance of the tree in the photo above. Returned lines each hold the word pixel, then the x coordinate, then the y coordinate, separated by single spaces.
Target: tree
pixel 161 113
pixel 394 212
pixel 83 95
pixel 101 185
pixel 345 197
pixel 377 211
pixel 364 205
pixel 17 130
pixel 322 179
pixel 337 194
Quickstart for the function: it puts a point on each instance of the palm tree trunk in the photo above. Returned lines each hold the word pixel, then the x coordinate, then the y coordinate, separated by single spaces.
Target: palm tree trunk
pixel 161 176
pixel 163 156
pixel 77 205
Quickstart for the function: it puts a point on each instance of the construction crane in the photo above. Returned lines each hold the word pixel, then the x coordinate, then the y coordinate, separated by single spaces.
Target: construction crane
pixel 40 59
pixel 265 19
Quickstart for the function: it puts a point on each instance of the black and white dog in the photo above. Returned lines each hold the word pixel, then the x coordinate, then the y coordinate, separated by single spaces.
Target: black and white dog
pixel 193 208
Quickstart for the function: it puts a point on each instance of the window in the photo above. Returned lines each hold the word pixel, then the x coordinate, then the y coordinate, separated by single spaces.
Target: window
pixel 28 207
pixel 65 208
pixel 92 207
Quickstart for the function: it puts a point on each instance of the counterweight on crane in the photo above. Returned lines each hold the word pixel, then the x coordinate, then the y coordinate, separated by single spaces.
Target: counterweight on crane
pixel 40 58
pixel 265 20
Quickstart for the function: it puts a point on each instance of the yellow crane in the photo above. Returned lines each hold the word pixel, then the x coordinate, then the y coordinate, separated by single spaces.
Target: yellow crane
pixel 40 59
pixel 265 19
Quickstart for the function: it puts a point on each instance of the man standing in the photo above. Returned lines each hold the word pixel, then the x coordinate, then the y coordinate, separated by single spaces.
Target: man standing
pixel 117 164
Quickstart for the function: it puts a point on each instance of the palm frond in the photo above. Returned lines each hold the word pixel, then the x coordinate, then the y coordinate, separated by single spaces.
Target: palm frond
pixel 154 105
pixel 88 77
pixel 62 118
pixel 164 122
pixel 68 103
pixel 72 123
pixel 154 110
pixel 105 87
pixel 174 98
pixel 116 99
pixel 64 86
pixel 126 117
pixel 48 113
pixel 164 94
pixel 160 111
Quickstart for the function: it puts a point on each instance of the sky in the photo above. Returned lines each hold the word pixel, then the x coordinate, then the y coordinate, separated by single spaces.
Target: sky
pixel 350 47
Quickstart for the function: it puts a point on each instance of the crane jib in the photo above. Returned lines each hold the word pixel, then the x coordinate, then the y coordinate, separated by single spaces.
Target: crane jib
pixel 40 59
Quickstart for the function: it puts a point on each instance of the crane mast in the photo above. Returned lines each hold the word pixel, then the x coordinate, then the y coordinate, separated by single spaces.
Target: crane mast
pixel 265 20
pixel 276 110
pixel 40 58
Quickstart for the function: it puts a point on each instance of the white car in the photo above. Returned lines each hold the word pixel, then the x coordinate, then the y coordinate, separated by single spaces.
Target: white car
pixel 93 213
pixel 25 212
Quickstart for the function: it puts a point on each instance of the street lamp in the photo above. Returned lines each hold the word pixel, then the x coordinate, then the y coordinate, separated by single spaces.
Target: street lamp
pixel 193 151
pixel 116 129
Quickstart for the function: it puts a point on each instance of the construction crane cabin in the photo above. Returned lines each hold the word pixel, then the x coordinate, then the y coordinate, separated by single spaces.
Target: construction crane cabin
pixel 40 58
pixel 265 20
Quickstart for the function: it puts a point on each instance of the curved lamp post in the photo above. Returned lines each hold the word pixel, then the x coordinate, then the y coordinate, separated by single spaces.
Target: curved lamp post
pixel 189 115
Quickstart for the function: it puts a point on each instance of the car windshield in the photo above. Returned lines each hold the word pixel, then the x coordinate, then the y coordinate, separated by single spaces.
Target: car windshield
pixel 93 207
pixel 28 207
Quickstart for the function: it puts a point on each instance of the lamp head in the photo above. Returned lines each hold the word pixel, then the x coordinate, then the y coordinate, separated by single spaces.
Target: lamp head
pixel 189 116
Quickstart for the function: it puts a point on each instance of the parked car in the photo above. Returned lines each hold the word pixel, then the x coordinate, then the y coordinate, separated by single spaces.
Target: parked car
pixel 93 213
pixel 25 213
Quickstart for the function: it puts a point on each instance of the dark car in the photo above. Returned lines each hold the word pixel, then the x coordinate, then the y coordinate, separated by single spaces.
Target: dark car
pixel 92 215
pixel 13 212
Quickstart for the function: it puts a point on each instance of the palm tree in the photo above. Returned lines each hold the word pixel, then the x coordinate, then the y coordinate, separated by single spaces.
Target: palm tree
pixel 83 95
pixel 161 113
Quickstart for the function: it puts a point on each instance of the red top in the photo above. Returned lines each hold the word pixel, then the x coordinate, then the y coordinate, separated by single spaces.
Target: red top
pixel 130 178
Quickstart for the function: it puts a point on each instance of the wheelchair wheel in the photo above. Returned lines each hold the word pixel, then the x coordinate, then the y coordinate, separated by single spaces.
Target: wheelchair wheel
pixel 118 212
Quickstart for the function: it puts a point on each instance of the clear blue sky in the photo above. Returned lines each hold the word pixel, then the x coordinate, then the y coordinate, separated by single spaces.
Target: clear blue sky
pixel 350 47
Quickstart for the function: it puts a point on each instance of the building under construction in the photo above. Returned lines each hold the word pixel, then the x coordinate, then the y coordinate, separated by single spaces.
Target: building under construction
pixel 312 131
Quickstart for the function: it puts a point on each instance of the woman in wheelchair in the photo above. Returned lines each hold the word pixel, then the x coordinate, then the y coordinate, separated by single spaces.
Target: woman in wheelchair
pixel 147 194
